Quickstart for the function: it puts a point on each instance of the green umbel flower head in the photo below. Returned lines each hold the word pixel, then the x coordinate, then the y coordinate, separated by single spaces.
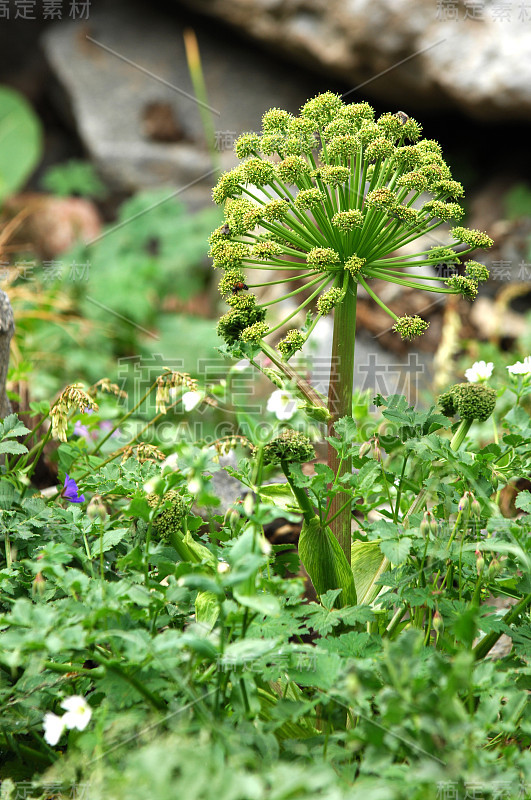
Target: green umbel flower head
pixel 290 446
pixel 332 198
pixel 470 400
pixel 173 510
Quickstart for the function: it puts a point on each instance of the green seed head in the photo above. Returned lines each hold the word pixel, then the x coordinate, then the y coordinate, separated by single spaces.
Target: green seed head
pixel 470 400
pixel 290 446
pixel 293 169
pixel 173 510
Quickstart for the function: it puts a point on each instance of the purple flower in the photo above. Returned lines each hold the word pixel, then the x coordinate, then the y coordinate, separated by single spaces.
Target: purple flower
pixel 81 430
pixel 106 425
pixel 70 491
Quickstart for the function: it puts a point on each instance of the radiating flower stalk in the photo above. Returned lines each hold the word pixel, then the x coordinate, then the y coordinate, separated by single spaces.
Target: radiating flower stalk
pixel 327 201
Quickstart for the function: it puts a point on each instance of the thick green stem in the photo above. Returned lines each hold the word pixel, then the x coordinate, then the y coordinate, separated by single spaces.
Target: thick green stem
pixel 340 405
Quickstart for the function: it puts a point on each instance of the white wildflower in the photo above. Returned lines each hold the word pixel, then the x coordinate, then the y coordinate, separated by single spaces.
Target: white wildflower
pixel 479 372
pixel 282 404
pixel 53 728
pixel 191 399
pixel 521 367
pixel 78 712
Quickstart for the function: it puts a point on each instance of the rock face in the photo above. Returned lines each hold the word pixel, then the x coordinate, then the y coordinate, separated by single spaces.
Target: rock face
pixel 474 56
pixel 125 84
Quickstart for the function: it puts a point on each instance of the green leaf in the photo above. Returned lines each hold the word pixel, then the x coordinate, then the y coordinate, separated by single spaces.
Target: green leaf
pixel 14 448
pixel 206 609
pixel 107 541
pixel 280 495
pixel 523 501
pixel 263 603
pixel 325 562
pixel 396 550
pixel 368 564
pixel 20 141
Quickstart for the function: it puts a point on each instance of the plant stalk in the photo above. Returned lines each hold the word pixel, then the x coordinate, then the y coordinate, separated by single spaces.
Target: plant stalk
pixel 340 405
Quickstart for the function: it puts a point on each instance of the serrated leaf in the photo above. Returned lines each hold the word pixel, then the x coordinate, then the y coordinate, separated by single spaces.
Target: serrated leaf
pixel 108 541
pixel 13 448
pixel 396 550
pixel 523 501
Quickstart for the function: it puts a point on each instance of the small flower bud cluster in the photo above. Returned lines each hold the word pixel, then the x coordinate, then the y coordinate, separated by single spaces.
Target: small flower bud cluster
pixel 322 258
pixel 407 214
pixel 309 199
pixel 242 216
pixel 413 180
pixel 440 255
pixel 290 446
pixel 428 526
pixel 475 271
pixel 410 327
pixel 230 279
pixel 466 287
pixel 408 156
pixel 341 147
pixel 329 300
pixel 444 211
pixel 263 251
pixel 448 187
pixel 472 237
pixel 381 198
pixel 346 221
pixel 332 175
pixel 322 108
pixel 292 169
pixel 470 400
pixel 355 265
pixel 248 144
pixel 228 254
pixel 292 341
pixel 255 332
pixel 275 210
pixel 243 315
pixel 229 185
pixel 379 148
pixel 258 171
pixel 276 120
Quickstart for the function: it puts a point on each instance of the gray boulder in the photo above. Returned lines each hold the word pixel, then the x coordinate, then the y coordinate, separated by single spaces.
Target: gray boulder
pixel 409 53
